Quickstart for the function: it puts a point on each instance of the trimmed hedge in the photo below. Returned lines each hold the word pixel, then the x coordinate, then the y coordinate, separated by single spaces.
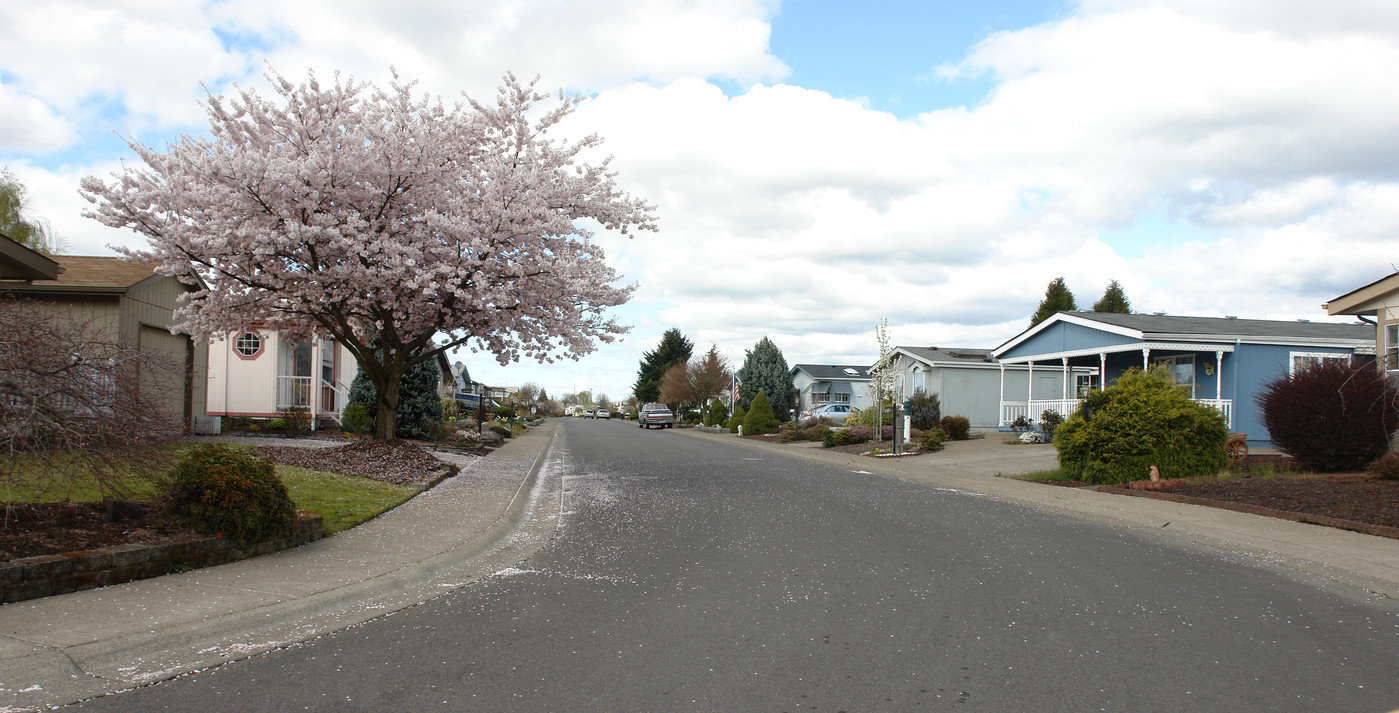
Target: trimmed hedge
pixel 1142 420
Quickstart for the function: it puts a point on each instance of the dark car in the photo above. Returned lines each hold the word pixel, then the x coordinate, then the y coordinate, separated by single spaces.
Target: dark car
pixel 658 415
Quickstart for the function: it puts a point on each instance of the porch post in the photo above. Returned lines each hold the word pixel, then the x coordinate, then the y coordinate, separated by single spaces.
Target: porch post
pixel 315 389
pixel 1029 389
pixel 1001 416
pixel 1219 387
pixel 1064 394
pixel 1146 357
pixel 1102 370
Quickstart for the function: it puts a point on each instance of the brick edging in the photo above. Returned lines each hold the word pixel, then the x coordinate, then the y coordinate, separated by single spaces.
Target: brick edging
pixel 1323 520
pixel 46 575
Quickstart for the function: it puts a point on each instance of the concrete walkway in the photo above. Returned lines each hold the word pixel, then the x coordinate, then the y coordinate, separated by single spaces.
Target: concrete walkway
pixel 1350 563
pixel 71 647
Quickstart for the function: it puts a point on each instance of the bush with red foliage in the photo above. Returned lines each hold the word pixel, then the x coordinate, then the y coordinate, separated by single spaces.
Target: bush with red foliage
pixel 1330 415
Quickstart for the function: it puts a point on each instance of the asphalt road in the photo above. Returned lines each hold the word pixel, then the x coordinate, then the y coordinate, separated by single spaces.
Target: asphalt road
pixel 690 575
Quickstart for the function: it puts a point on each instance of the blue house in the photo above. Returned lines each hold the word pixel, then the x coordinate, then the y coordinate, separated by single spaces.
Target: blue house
pixel 1224 362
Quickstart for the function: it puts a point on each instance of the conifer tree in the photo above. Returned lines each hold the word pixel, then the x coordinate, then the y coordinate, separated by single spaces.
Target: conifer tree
pixel 1057 298
pixel 419 408
pixel 1114 300
pixel 759 419
pixel 674 348
pixel 765 370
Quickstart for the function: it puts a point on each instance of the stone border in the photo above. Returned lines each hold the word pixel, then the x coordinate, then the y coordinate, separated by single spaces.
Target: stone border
pixel 1323 520
pixel 46 575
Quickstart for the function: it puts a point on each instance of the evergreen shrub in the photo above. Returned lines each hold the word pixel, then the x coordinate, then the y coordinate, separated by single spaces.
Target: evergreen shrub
pixel 759 419
pixel 735 420
pixel 836 437
pixel 419 406
pixel 717 415
pixel 230 492
pixel 1386 467
pixel 956 428
pixel 1142 420
pixel 1331 415
pixel 932 439
pixel 356 419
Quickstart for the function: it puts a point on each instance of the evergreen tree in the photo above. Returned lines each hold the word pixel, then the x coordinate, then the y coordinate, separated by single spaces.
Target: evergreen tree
pixel 1057 298
pixel 419 408
pixel 765 370
pixel 674 348
pixel 1114 301
pixel 759 419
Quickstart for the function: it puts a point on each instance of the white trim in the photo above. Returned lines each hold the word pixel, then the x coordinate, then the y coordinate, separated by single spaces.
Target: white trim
pixel 1292 358
pixel 1118 348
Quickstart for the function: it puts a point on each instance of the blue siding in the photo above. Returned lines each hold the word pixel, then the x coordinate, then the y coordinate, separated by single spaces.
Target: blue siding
pixel 1063 337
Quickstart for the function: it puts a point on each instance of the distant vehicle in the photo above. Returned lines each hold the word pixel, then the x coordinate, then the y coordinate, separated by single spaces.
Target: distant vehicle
pixel 835 412
pixel 588 413
pixel 657 415
pixel 602 413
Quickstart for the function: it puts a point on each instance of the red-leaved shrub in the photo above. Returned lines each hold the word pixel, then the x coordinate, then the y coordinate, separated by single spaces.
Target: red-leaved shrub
pixel 1331 415
pixel 860 434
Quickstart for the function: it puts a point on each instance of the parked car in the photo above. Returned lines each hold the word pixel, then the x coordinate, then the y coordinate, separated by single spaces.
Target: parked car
pixel 658 415
pixel 835 412
pixel 602 413
pixel 588 413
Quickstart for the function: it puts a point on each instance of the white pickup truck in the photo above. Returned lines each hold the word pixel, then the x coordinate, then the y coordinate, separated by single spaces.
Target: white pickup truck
pixel 658 415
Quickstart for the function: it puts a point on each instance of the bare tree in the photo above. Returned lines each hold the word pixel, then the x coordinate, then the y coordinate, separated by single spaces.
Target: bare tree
pixel 75 404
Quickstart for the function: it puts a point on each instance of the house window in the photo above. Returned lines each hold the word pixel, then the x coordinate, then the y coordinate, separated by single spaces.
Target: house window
pixel 918 383
pixel 1181 369
pixel 1391 346
pixel 248 344
pixel 842 398
pixel 1085 383
pixel 819 397
pixel 1302 360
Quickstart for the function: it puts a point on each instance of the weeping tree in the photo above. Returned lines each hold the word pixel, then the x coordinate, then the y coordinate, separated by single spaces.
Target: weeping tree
pixel 367 213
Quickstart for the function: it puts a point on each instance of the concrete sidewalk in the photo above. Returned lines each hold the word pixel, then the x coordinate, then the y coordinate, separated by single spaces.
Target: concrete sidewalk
pixel 494 513
pixel 1363 565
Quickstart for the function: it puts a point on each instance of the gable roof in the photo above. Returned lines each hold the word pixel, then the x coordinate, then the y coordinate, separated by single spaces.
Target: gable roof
pixel 1171 328
pixel 829 372
pixel 90 274
pixel 1365 300
pixel 934 355
pixel 20 262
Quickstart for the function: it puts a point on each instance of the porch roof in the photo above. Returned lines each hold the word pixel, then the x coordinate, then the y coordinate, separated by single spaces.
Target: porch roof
pixel 1118 348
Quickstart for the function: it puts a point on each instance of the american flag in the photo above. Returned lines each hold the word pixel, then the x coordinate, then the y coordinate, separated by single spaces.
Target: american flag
pixel 735 390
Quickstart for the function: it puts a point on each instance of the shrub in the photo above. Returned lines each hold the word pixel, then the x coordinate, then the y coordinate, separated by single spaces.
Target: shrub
pixel 1020 424
pixel 759 418
pixel 786 435
pixel 1386 467
pixel 231 493
pixel 887 433
pixel 859 434
pixel 1049 421
pixel 462 438
pixel 499 429
pixel 867 417
pixel 356 419
pixel 836 437
pixel 503 412
pixel 1330 415
pixel 736 419
pixel 451 408
pixel 932 439
pixel 296 419
pixel 924 410
pixel 1142 420
pixel 814 432
pixel 419 406
pixel 691 417
pixel 956 428
pixel 718 414
pixel 275 424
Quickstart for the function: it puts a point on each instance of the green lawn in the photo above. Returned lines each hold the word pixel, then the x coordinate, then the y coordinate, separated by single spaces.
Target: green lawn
pixel 342 500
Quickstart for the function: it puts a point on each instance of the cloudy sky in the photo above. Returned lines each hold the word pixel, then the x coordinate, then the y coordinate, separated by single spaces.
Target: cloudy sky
pixel 818 165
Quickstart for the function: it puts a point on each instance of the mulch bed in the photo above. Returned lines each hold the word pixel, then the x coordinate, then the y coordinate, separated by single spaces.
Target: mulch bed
pixel 56 528
pixel 399 462
pixel 1354 497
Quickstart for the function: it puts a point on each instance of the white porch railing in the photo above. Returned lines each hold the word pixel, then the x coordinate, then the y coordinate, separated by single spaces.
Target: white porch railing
pixel 293 392
pixel 1031 411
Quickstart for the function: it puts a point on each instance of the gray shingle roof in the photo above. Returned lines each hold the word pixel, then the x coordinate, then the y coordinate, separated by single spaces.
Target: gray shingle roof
pixel 825 372
pixel 936 354
pixel 1171 325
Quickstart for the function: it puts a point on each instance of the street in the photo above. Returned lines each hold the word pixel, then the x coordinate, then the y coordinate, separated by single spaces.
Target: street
pixel 694 575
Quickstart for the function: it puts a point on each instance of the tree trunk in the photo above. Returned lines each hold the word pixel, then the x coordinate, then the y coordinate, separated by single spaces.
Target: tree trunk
pixel 386 412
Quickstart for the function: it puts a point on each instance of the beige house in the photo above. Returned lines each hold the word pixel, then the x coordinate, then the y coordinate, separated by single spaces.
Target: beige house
pixel 1379 301
pixel 127 302
pixel 257 372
